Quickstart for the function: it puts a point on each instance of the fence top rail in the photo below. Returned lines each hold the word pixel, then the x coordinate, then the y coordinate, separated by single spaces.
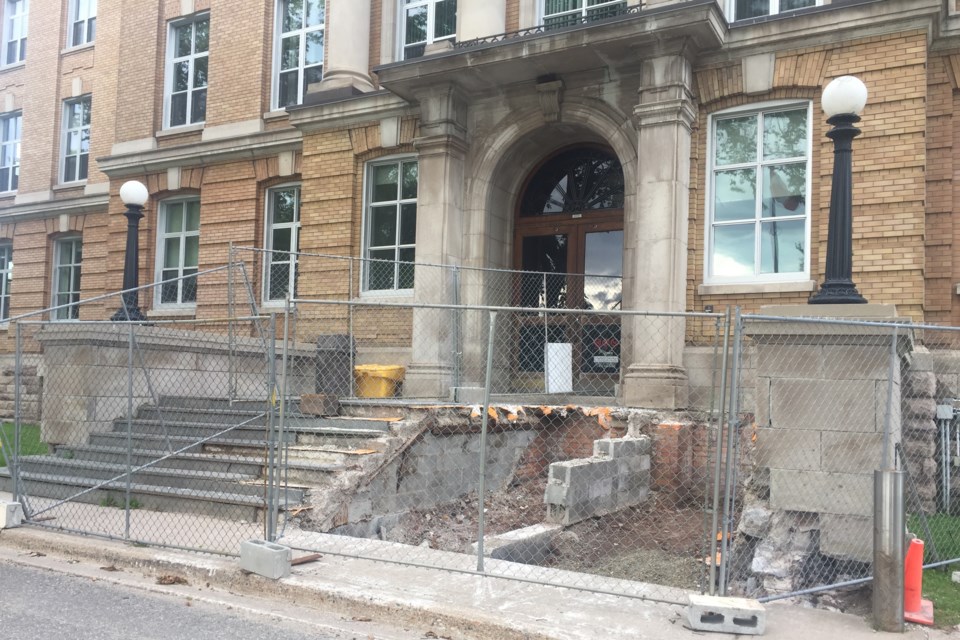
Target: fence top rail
pixel 112 294
pixel 169 322
pixel 904 323
pixel 538 310
pixel 451 267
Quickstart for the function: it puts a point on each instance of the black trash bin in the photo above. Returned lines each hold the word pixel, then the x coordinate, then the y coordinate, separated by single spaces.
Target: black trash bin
pixel 334 371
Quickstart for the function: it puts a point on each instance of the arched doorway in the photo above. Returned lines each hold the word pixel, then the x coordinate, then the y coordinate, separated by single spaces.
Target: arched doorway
pixel 568 241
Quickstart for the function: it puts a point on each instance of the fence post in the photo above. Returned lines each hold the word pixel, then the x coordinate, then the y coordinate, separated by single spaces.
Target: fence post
pixel 269 522
pixel 719 455
pixel 231 329
pixel 888 524
pixel 733 419
pixel 481 519
pixel 126 502
pixel 17 418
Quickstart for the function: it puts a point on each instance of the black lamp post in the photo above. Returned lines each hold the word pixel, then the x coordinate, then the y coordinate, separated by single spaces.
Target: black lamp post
pixel 134 194
pixel 843 100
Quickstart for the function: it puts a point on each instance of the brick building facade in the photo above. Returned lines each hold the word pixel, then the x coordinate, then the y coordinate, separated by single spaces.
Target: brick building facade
pixel 219 108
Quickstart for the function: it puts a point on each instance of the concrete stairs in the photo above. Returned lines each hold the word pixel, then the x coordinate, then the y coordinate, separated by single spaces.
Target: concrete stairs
pixel 210 457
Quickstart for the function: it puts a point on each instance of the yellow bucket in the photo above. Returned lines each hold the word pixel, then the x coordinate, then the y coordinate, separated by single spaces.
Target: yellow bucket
pixel 377 380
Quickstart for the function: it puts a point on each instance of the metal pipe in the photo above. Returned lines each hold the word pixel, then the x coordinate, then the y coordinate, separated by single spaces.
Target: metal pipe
pixel 17 418
pixel 283 396
pixel 269 523
pixel 231 330
pixel 351 345
pixel 717 467
pixel 481 518
pixel 885 461
pixel 820 589
pixel 888 552
pixel 732 419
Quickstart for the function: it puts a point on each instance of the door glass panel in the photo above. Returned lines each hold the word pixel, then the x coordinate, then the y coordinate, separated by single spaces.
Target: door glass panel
pixel 603 264
pixel 546 255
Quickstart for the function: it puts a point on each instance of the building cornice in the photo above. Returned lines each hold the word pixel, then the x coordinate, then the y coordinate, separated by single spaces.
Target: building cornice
pixel 52 208
pixel 204 153
pixel 318 115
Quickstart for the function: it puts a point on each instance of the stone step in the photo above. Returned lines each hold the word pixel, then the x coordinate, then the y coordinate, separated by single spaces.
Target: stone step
pixel 173 443
pixel 197 431
pixel 191 402
pixel 206 416
pixel 234 483
pixel 185 461
pixel 231 506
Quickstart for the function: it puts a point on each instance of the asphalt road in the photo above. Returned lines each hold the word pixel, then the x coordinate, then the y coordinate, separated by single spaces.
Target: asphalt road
pixel 43 603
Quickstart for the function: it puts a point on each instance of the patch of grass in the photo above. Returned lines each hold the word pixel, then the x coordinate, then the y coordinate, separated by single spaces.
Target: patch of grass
pixel 30 443
pixel 945 530
pixel 109 501
pixel 945 595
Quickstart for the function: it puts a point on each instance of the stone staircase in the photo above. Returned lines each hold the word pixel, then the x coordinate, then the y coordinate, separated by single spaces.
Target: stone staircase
pixel 203 470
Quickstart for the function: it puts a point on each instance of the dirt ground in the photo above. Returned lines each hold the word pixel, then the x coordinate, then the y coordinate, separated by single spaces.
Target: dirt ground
pixel 658 542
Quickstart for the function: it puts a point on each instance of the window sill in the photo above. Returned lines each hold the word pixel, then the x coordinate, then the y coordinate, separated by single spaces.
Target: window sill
pixel 65 186
pixel 15 65
pixel 76 48
pixel 164 312
pixel 403 296
pixel 175 131
pixel 740 288
pixel 277 114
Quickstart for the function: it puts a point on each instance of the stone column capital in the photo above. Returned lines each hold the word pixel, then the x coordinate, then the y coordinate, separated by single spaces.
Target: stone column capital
pixel 666 94
pixel 443 111
pixel 682 111
pixel 441 144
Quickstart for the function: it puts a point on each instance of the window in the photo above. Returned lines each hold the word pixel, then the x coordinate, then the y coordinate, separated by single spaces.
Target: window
pixel 426 21
pixel 67 256
pixel 9 152
pixel 391 232
pixel 76 139
pixel 14 31
pixel 187 58
pixel 283 240
pixel 6 275
pixel 744 9
pixel 83 22
pixel 760 187
pixel 564 13
pixel 179 251
pixel 299 52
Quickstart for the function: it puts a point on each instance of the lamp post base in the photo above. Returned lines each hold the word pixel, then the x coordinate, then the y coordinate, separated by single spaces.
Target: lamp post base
pixel 132 315
pixel 837 292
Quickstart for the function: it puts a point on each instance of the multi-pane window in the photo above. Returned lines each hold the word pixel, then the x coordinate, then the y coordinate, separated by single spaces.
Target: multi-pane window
pixel 760 188
pixel 424 22
pixel 14 31
pixel 187 71
pixel 299 54
pixel 563 13
pixel 67 259
pixel 391 231
pixel 83 22
pixel 6 275
pixel 9 152
pixel 283 241
pixel 179 251
pixel 744 9
pixel 76 139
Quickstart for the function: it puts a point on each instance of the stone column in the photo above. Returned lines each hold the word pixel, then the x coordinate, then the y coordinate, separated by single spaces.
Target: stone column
pixel 441 152
pixel 655 237
pixel 480 18
pixel 347 62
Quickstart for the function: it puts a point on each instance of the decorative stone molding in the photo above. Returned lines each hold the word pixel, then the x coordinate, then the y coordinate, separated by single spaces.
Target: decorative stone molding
pixel 551 97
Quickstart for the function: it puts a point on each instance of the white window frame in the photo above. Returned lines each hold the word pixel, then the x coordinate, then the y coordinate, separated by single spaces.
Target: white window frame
pixel 268 228
pixel 367 223
pixel 162 235
pixel 774 9
pixel 757 108
pixel 10 150
pixel 172 60
pixel 65 133
pixel 431 5
pixel 83 14
pixel 6 278
pixel 302 33
pixel 72 268
pixel 581 12
pixel 15 16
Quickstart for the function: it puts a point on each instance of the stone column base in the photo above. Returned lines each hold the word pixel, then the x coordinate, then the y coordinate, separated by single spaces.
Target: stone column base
pixel 428 381
pixel 655 386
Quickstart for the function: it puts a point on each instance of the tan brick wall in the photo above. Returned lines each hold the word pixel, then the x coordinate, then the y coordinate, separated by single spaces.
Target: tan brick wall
pixel 889 160
pixel 513 15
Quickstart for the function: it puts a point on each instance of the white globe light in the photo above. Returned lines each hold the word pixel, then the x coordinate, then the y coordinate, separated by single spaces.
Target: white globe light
pixel 846 94
pixel 134 193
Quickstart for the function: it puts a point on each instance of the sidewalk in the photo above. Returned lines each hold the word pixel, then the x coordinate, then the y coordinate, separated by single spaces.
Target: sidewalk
pixel 463 605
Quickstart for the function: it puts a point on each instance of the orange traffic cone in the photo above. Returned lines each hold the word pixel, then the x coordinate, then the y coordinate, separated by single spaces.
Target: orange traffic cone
pixel 915 608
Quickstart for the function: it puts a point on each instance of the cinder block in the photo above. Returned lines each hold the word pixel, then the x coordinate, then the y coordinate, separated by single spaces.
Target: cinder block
pixel 11 515
pixel 266 559
pixel 726 615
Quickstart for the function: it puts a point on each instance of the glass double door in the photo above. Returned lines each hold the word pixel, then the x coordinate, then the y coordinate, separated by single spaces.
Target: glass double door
pixel 576 264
